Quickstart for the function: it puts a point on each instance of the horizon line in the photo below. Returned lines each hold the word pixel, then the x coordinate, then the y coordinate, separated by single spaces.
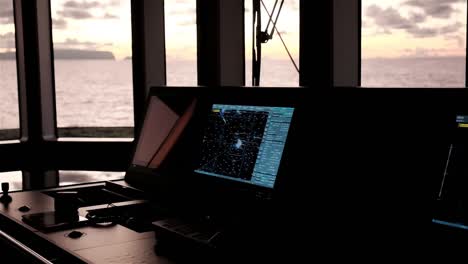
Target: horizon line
pixel 416 57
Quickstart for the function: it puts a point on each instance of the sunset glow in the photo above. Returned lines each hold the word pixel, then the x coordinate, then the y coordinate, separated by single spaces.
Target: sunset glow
pixel 391 28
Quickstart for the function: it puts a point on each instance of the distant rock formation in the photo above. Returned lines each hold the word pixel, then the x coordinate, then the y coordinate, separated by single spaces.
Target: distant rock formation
pixel 73 54
pixel 69 54
pixel 128 58
pixel 7 55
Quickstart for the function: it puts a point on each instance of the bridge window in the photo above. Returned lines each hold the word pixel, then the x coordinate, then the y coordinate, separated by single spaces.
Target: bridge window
pixel 14 178
pixel 415 43
pixel 9 110
pixel 181 42
pixel 76 177
pixel 277 68
pixel 93 68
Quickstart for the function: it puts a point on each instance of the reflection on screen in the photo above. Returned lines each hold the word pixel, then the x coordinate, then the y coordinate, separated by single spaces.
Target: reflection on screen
pixel 245 143
pixel 164 122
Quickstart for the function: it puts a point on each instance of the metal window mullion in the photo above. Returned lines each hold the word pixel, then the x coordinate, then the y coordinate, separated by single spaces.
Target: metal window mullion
pixel 149 52
pixel 346 43
pixel 220 42
pixel 316 44
pixel 36 89
pixel 232 42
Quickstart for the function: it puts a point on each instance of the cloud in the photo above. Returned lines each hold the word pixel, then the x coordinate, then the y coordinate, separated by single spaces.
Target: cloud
pixel 390 19
pixel 453 28
pixel 77 44
pixel 81 5
pixel 6 12
pixel 84 9
pixel 417 18
pixel 7 40
pixel 435 8
pixel 75 14
pixel 59 23
pixel 422 32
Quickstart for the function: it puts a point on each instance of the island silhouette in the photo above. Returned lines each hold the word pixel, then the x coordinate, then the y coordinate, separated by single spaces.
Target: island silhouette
pixel 69 54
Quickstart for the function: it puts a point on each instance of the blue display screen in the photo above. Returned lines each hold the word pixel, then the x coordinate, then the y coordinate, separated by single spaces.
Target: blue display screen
pixel 245 143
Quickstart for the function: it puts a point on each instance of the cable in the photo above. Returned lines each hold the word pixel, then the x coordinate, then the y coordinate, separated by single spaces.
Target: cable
pixel 442 185
pixel 281 38
pixel 214 236
pixel 104 220
pixel 270 34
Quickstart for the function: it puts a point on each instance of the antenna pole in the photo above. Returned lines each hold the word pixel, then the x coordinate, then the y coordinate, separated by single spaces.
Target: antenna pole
pixel 256 43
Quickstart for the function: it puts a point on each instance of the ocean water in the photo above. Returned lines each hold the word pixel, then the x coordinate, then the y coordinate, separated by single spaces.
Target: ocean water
pixel 422 72
pixel 8 95
pixel 94 93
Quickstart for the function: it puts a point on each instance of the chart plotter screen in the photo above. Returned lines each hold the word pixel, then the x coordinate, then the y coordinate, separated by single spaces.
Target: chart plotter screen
pixel 245 143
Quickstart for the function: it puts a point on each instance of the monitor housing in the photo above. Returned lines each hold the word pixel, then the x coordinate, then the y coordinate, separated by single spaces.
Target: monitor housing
pixel 214 145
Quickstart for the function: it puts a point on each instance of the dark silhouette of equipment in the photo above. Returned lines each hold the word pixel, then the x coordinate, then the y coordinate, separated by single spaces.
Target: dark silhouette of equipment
pixel 64 216
pixel 6 198
pixel 67 203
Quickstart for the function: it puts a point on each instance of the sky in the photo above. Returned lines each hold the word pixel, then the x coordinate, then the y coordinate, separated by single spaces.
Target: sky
pixel 391 28
pixel 92 25
pixel 106 25
pixel 413 28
